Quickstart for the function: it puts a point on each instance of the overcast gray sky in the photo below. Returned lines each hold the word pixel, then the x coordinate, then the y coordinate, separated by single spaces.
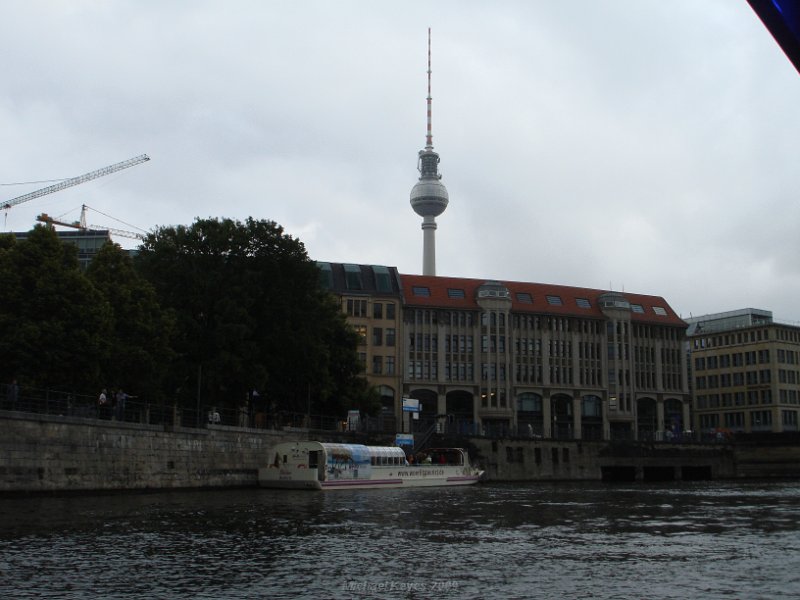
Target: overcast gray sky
pixel 641 145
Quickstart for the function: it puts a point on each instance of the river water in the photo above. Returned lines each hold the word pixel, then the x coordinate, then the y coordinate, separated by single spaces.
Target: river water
pixel 588 540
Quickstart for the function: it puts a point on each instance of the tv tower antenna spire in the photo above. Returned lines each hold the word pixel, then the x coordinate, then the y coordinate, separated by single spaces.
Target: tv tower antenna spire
pixel 429 137
pixel 429 197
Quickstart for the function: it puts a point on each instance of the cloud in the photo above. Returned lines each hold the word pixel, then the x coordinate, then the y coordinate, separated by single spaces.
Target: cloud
pixel 627 143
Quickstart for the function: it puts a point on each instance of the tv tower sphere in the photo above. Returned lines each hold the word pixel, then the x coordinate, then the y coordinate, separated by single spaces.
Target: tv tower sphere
pixel 429 197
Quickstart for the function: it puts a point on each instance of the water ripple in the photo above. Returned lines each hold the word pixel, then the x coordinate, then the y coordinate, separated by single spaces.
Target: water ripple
pixel 710 540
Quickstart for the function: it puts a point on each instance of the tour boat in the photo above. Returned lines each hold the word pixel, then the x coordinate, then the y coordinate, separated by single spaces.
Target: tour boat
pixel 324 466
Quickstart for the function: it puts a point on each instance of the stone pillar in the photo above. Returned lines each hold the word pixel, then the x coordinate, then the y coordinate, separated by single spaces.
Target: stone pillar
pixel 546 357
pixel 660 418
pixel 687 424
pixel 576 417
pixel 547 417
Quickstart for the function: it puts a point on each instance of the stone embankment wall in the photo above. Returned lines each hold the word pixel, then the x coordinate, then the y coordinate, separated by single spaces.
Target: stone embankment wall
pixel 759 461
pixel 58 454
pixel 54 453
pixel 568 460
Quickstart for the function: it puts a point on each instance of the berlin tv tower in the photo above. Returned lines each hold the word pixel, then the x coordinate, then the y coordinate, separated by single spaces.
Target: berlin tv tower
pixel 429 196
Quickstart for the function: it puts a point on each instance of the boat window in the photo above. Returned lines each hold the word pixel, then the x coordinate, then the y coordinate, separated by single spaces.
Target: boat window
pixel 312 459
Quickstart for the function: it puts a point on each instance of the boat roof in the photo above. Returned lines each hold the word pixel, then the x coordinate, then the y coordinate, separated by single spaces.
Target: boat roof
pixel 356 449
pixel 371 450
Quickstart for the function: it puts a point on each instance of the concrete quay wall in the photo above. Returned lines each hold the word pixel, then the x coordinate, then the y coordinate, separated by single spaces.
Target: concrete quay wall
pixel 40 453
pixel 758 461
pixel 53 453
pixel 572 460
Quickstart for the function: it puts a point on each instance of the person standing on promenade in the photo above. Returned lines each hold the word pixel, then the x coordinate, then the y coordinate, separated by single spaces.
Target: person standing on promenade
pixel 102 405
pixel 120 407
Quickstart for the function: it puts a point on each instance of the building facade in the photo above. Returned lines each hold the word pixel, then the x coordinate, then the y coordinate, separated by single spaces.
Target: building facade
pixel 512 358
pixel 88 241
pixel 745 371
pixel 370 297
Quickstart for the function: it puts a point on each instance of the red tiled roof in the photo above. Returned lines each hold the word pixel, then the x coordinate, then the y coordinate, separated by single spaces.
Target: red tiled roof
pixel 439 298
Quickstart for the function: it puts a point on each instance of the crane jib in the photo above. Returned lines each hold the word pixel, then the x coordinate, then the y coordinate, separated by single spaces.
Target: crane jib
pixel 77 180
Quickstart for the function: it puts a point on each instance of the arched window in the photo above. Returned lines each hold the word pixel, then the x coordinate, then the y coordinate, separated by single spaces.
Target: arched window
pixel 387 398
pixel 529 402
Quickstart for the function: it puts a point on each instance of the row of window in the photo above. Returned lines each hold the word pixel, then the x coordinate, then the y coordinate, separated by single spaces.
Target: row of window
pixel 537 322
pixel 749 398
pixel 530 402
pixel 646 380
pixel 758 419
pixel 380 336
pixel 458 344
pixel 524 373
pixel 493 399
pixel 735 379
pixel 741 337
pixel 737 359
pixel 526 298
pixel 524 346
pixel 383 365
pixel 357 307
pixel 353 277
pixel 788 335
pixel 376 461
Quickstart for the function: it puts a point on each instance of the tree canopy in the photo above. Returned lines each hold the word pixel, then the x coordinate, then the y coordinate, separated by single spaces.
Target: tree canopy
pixel 251 315
pixel 53 322
pixel 214 310
pixel 137 352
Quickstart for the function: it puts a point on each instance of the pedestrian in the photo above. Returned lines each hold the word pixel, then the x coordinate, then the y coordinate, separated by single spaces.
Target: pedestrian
pixel 120 407
pixel 102 405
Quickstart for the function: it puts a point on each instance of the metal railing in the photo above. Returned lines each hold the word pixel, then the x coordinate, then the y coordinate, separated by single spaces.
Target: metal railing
pixel 132 409
pixel 36 401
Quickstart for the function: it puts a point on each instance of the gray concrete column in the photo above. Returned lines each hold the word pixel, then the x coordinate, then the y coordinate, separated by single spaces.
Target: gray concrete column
pixel 577 415
pixel 547 417
pixel 687 424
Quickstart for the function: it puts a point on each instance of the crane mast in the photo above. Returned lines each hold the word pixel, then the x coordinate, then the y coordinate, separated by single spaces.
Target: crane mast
pixel 131 162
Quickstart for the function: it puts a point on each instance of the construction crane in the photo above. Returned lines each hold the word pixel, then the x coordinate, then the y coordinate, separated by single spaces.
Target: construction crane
pixel 131 162
pixel 81 224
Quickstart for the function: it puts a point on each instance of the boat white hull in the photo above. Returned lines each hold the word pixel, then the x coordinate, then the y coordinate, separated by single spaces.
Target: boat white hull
pixel 319 466
pixel 271 477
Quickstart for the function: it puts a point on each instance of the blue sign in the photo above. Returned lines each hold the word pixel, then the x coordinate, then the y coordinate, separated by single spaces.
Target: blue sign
pixel 411 405
pixel 404 439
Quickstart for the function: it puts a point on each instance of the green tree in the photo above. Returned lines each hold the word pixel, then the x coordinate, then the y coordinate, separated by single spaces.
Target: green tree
pixel 250 314
pixel 52 320
pixel 138 350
